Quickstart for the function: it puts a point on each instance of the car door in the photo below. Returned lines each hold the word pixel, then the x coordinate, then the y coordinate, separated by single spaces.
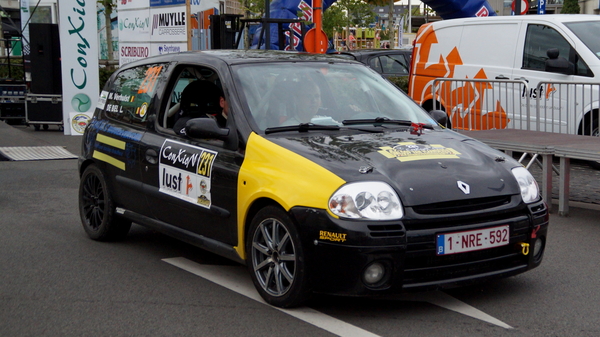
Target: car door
pixel 191 184
pixel 554 105
pixel 117 135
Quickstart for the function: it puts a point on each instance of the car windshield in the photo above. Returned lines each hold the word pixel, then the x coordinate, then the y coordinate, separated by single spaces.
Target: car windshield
pixel 587 32
pixel 293 93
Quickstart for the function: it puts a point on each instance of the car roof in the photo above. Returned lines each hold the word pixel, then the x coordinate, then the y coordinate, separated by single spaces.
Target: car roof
pixel 368 52
pixel 239 56
pixel 556 18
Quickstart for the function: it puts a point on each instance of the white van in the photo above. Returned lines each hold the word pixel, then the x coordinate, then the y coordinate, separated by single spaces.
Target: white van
pixel 536 49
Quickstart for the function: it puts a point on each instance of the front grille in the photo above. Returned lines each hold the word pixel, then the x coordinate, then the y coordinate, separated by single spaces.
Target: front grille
pixel 494 262
pixel 423 265
pixel 462 206
pixel 386 231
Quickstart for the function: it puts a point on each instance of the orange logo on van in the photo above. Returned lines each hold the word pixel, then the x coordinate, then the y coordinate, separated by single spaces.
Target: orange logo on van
pixel 550 89
pixel 462 103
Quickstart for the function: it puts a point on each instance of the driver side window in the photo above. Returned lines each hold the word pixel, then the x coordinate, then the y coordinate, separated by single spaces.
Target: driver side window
pixel 186 94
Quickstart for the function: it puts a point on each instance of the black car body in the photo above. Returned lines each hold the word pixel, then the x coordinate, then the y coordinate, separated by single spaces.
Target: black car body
pixel 387 62
pixel 370 196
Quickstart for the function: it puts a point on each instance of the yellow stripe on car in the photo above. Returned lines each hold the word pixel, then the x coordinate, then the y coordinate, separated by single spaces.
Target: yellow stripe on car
pixel 273 172
pixel 119 144
pixel 108 159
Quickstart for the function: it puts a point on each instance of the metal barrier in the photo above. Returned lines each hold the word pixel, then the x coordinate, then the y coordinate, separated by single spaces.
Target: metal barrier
pixel 568 108
pixel 482 104
pixel 554 106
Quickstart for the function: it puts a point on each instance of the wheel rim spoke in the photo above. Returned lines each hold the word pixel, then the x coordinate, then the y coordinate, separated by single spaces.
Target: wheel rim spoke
pixel 260 248
pixel 273 257
pixel 286 273
pixel 284 240
pixel 93 202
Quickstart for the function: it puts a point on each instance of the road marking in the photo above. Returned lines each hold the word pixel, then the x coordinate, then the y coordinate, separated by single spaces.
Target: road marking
pixel 236 279
pixel 446 301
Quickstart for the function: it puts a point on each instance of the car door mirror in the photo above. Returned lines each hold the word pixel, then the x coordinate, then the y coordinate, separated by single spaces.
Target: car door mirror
pixel 440 116
pixel 207 128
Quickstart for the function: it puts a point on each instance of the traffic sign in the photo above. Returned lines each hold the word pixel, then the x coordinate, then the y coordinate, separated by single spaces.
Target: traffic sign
pixel 524 6
pixel 315 42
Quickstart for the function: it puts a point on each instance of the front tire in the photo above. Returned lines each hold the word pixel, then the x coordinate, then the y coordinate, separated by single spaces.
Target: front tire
pixel 97 210
pixel 276 259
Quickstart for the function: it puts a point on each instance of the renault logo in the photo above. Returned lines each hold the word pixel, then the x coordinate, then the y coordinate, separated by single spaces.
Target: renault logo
pixel 464 187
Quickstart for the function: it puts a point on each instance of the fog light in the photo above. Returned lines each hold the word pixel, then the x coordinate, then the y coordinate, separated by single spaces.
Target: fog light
pixel 374 273
pixel 537 247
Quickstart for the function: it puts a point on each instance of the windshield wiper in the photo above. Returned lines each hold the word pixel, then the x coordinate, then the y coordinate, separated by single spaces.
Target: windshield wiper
pixel 384 120
pixel 302 127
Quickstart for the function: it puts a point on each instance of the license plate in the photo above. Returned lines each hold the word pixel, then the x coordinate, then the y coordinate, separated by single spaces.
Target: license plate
pixel 467 241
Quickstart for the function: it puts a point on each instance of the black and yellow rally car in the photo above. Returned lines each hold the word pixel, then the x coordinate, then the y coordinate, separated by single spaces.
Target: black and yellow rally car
pixel 313 170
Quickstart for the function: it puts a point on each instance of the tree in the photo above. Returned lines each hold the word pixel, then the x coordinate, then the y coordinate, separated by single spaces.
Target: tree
pixel 345 13
pixel 570 7
pixel 334 18
pixel 390 3
pixel 108 5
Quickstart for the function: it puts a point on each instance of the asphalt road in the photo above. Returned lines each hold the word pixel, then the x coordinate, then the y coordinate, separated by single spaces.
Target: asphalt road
pixel 54 281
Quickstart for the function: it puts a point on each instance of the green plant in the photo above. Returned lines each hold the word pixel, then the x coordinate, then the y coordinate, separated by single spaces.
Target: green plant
pixel 570 7
pixel 401 82
pixel 104 75
pixel 12 72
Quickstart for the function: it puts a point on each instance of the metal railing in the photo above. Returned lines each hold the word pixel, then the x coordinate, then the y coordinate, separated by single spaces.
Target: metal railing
pixel 482 104
pixel 553 106
pixel 568 107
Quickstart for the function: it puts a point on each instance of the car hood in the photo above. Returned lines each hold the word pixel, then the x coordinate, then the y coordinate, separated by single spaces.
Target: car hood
pixel 435 166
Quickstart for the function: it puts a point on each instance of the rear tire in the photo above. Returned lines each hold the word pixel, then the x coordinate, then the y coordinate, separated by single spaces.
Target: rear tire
pixel 276 259
pixel 97 210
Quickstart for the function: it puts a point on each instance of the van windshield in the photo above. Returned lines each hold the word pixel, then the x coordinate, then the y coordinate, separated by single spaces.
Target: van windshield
pixel 587 31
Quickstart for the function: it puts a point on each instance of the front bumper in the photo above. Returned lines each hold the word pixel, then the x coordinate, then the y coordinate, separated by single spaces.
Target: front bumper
pixel 338 251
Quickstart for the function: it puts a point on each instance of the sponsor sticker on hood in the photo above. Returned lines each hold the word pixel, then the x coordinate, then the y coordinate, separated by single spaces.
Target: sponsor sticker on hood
pixel 408 151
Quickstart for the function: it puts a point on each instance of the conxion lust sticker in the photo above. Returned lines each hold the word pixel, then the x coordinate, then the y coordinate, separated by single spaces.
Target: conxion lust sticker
pixel 185 172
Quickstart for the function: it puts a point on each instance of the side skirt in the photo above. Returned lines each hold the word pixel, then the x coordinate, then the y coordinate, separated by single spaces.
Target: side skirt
pixel 197 240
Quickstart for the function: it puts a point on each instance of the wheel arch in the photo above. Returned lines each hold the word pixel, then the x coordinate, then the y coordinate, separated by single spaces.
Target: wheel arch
pixel 84 165
pixel 589 117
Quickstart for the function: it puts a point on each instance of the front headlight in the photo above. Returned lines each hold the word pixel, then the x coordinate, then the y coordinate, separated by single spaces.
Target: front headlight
pixel 529 188
pixel 374 200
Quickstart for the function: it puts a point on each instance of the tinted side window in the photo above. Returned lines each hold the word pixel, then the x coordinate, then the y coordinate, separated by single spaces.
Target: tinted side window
pixel 129 96
pixel 375 64
pixel 539 39
pixel 399 64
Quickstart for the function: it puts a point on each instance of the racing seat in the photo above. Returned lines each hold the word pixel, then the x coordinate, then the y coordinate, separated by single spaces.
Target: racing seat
pixel 199 99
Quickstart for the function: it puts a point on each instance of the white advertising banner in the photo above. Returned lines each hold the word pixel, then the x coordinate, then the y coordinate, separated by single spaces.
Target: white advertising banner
pixel 134 25
pixel 152 27
pixel 167 48
pixel 132 4
pixel 79 55
pixel 132 51
pixel 168 24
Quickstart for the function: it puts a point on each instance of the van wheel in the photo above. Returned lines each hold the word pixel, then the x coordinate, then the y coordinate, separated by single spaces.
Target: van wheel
pixel 276 259
pixel 595 132
pixel 97 210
